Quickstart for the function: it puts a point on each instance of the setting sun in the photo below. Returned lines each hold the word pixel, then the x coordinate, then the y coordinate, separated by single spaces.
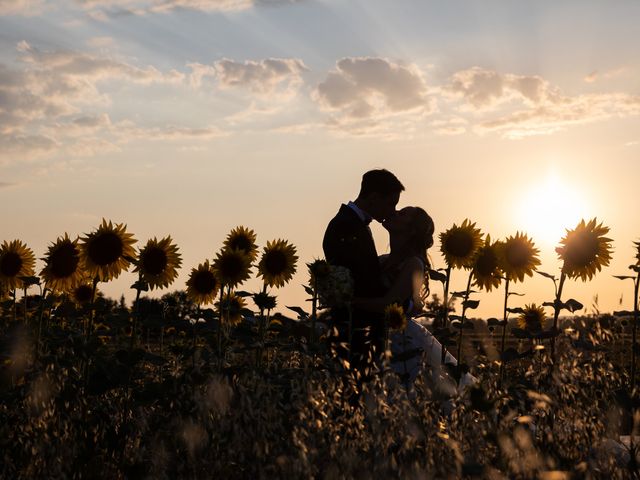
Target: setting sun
pixel 549 208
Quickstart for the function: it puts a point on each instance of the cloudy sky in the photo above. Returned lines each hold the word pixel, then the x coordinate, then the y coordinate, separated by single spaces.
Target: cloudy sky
pixel 189 117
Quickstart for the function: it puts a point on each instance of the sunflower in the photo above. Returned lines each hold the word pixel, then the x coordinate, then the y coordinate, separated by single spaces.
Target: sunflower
pixel 585 250
pixel 518 257
pixel 264 301
pixel 486 265
pixel 532 319
pixel 278 263
pixel 106 252
pixel 62 270
pixel 232 306
pixel 16 260
pixel 158 262
pixel 319 269
pixel 242 238
pixel 82 293
pixel 203 284
pixel 395 317
pixel 637 245
pixel 232 266
pixel 460 244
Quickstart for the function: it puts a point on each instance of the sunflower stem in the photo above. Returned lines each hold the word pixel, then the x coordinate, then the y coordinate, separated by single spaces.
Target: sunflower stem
pixel 556 314
pixel 43 294
pixel 261 328
pixel 464 312
pixel 504 329
pixel 445 313
pixel 220 322
pixel 136 314
pixel 634 333
pixel 24 300
pixel 15 306
pixel 314 310
pixel 92 312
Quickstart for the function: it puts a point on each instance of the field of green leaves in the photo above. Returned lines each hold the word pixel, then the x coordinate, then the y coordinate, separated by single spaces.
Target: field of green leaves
pixel 209 382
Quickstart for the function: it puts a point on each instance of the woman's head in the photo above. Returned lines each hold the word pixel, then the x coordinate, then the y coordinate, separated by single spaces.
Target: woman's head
pixel 410 232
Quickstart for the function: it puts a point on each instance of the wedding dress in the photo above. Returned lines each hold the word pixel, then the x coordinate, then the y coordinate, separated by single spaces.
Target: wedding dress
pixel 416 351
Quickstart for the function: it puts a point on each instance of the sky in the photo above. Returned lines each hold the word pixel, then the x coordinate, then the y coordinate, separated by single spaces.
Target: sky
pixel 190 117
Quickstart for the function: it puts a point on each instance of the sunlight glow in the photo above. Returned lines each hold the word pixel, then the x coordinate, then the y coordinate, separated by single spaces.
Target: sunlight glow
pixel 549 208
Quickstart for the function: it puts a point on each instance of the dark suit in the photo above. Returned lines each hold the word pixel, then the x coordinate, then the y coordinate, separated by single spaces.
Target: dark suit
pixel 348 243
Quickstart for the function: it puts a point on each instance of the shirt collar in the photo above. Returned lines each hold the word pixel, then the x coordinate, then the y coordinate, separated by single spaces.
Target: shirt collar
pixel 364 216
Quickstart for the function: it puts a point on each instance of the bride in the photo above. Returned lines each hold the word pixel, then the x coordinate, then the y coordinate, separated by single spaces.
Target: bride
pixel 414 350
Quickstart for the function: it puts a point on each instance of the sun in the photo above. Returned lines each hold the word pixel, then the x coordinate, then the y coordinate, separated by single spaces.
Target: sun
pixel 551 206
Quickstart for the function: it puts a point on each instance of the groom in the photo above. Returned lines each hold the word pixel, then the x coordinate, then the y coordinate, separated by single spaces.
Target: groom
pixel 348 243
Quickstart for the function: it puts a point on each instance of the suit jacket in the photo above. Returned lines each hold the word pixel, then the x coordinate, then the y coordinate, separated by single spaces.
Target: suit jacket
pixel 348 243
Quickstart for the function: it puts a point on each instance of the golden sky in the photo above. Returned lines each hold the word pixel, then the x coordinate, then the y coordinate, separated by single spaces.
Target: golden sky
pixel 190 117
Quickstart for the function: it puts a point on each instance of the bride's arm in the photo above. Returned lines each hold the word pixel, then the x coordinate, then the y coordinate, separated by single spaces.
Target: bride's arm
pixel 407 284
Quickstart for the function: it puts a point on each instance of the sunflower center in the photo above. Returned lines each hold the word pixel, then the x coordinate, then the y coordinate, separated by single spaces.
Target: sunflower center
pixel 459 244
pixel 487 262
pixel 231 266
pixel 64 261
pixel 10 264
pixel 83 293
pixel 154 261
pixel 583 249
pixel 105 249
pixel 241 243
pixel 533 321
pixel 275 262
pixel 205 282
pixel 517 255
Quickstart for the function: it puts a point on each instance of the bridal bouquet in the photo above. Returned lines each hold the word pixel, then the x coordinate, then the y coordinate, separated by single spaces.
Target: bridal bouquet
pixel 335 289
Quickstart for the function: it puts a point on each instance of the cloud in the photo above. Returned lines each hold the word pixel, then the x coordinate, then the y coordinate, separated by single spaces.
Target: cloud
pixel 55 104
pixel 7 184
pixel 22 7
pixel 16 146
pixel 281 76
pixel 449 126
pixel 486 89
pixel 104 10
pixel 362 92
pixel 606 75
pixel 548 118
pixel 530 105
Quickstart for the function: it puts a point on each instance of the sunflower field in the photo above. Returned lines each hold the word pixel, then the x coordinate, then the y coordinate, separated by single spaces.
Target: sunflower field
pixel 210 381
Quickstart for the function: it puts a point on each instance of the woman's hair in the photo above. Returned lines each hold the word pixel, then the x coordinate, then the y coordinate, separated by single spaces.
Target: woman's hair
pixel 421 240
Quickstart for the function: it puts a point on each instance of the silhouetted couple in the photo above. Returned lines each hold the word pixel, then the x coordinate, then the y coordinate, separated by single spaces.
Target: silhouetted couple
pixel 379 281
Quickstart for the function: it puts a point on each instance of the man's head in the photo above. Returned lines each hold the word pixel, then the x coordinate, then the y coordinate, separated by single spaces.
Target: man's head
pixel 379 193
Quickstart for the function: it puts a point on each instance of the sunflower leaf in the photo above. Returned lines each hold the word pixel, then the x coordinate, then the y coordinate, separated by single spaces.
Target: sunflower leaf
pixel 308 289
pixel 635 268
pixel 572 305
pixel 547 275
pixel 140 285
pixel 437 276
pixel 517 294
pixel 515 310
pixel 624 277
pixel 472 304
pixel 302 315
pixel 242 293
pixel 28 281
pixel 494 322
